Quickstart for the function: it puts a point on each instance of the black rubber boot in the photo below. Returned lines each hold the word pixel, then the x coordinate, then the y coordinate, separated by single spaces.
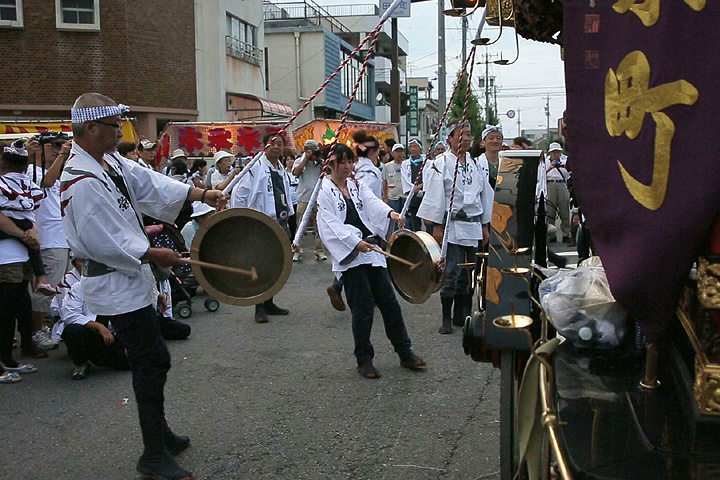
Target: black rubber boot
pixel 446 315
pixel 156 462
pixel 272 309
pixel 174 443
pixel 461 309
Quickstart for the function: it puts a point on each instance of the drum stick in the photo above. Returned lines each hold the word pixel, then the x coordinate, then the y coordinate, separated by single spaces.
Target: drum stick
pixel 412 266
pixel 252 273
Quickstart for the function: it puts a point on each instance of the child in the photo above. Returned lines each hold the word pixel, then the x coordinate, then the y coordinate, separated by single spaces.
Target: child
pixel 19 198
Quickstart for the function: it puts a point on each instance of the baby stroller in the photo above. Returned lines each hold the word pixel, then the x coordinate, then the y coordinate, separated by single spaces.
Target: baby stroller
pixel 183 285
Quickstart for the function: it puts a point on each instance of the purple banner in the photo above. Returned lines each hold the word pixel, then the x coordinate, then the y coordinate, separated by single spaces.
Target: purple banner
pixel 643 107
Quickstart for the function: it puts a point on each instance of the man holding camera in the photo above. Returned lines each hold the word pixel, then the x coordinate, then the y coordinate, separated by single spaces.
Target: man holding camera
pixel 558 196
pixel 48 152
pixel 308 169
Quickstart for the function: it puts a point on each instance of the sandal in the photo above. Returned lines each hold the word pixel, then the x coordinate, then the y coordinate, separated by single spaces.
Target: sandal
pixel 368 370
pixel 10 377
pixel 27 368
pixel 412 361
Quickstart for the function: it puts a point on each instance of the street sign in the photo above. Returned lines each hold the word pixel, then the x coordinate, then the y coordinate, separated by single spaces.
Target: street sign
pixel 403 10
pixel 511 113
pixel 414 112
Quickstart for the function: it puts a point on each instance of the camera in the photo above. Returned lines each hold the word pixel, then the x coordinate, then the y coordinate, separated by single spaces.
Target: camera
pixel 55 138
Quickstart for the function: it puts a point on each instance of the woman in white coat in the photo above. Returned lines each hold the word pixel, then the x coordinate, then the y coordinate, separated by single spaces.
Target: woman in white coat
pixel 350 218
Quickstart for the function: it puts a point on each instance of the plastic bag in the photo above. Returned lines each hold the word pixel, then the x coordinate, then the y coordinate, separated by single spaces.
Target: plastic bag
pixel 581 308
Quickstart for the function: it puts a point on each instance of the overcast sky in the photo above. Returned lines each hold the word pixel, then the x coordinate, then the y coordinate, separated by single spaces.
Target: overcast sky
pixel 522 86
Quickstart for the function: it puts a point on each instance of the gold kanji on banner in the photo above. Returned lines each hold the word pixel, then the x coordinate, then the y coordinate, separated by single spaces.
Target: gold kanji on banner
pixel 648 11
pixel 628 98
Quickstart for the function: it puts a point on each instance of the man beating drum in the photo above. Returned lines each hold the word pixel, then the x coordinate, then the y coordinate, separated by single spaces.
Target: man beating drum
pixel 103 198
pixel 266 188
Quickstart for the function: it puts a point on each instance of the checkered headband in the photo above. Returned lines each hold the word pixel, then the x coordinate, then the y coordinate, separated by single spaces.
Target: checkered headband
pixel 82 115
pixel 22 151
pixel 491 128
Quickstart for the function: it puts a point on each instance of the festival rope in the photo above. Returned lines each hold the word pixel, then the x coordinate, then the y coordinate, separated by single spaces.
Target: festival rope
pixel 434 141
pixel 376 31
pixel 326 165
pixel 443 250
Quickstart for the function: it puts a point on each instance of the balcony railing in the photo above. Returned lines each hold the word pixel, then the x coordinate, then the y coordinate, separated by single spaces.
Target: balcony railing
pixel 243 50
pixel 362 10
pixel 306 9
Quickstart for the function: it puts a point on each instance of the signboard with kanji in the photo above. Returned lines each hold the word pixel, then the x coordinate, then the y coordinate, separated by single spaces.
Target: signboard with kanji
pixel 403 10
pixel 414 113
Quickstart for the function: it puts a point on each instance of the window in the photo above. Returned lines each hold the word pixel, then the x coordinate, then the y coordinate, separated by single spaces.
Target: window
pixel 78 14
pixel 11 13
pixel 241 40
pixel 348 76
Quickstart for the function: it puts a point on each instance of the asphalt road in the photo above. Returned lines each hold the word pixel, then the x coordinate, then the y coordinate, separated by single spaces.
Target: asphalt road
pixel 279 400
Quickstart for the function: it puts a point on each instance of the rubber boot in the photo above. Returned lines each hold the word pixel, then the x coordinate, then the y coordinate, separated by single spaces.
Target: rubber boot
pixel 155 461
pixel 446 315
pixel 174 443
pixel 461 309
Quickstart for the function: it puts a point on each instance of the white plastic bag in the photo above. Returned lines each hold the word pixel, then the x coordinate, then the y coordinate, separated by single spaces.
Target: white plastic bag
pixel 581 308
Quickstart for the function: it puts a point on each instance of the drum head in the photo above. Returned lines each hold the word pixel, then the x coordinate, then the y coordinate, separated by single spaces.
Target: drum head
pixel 418 285
pixel 242 238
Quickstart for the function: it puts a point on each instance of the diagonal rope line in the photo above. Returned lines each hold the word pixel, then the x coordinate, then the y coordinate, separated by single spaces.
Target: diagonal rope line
pixel 443 251
pixel 283 130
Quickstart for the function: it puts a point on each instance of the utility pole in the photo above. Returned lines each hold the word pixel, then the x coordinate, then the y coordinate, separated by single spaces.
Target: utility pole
pixel 395 77
pixel 464 39
pixel 441 61
pixel 487 60
pixel 518 113
pixel 547 115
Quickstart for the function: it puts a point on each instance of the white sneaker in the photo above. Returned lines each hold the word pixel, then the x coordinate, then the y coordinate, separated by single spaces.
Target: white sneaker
pixel 297 257
pixel 43 341
pixel 320 256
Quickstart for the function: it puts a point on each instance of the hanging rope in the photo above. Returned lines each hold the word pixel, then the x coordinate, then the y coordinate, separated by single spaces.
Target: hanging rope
pixel 443 250
pixel 418 179
pixel 372 35
pixel 326 165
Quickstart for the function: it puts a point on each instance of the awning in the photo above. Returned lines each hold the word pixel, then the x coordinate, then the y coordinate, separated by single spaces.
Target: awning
pixel 245 106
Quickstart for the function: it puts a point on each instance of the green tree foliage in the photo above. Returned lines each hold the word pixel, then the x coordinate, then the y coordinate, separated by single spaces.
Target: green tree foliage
pixel 474 115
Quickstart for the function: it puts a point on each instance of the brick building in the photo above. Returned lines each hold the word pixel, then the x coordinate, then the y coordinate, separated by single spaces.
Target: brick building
pixel 139 52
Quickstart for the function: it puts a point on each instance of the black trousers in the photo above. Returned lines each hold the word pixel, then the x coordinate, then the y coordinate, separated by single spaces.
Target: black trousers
pixel 86 345
pixel 15 309
pixel 149 358
pixel 365 287
pixel 457 281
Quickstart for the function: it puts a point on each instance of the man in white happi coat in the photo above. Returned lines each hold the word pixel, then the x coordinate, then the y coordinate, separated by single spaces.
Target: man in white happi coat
pixel 266 188
pixel 103 198
pixel 469 219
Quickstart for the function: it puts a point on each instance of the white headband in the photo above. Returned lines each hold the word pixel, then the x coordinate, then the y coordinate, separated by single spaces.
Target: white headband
pixel 22 151
pixel 491 128
pixel 82 115
pixel 455 126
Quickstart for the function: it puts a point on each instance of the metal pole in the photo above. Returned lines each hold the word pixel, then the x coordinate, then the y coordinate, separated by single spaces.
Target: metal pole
pixel 487 88
pixel 547 115
pixel 395 77
pixel 464 39
pixel 441 61
pixel 519 134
